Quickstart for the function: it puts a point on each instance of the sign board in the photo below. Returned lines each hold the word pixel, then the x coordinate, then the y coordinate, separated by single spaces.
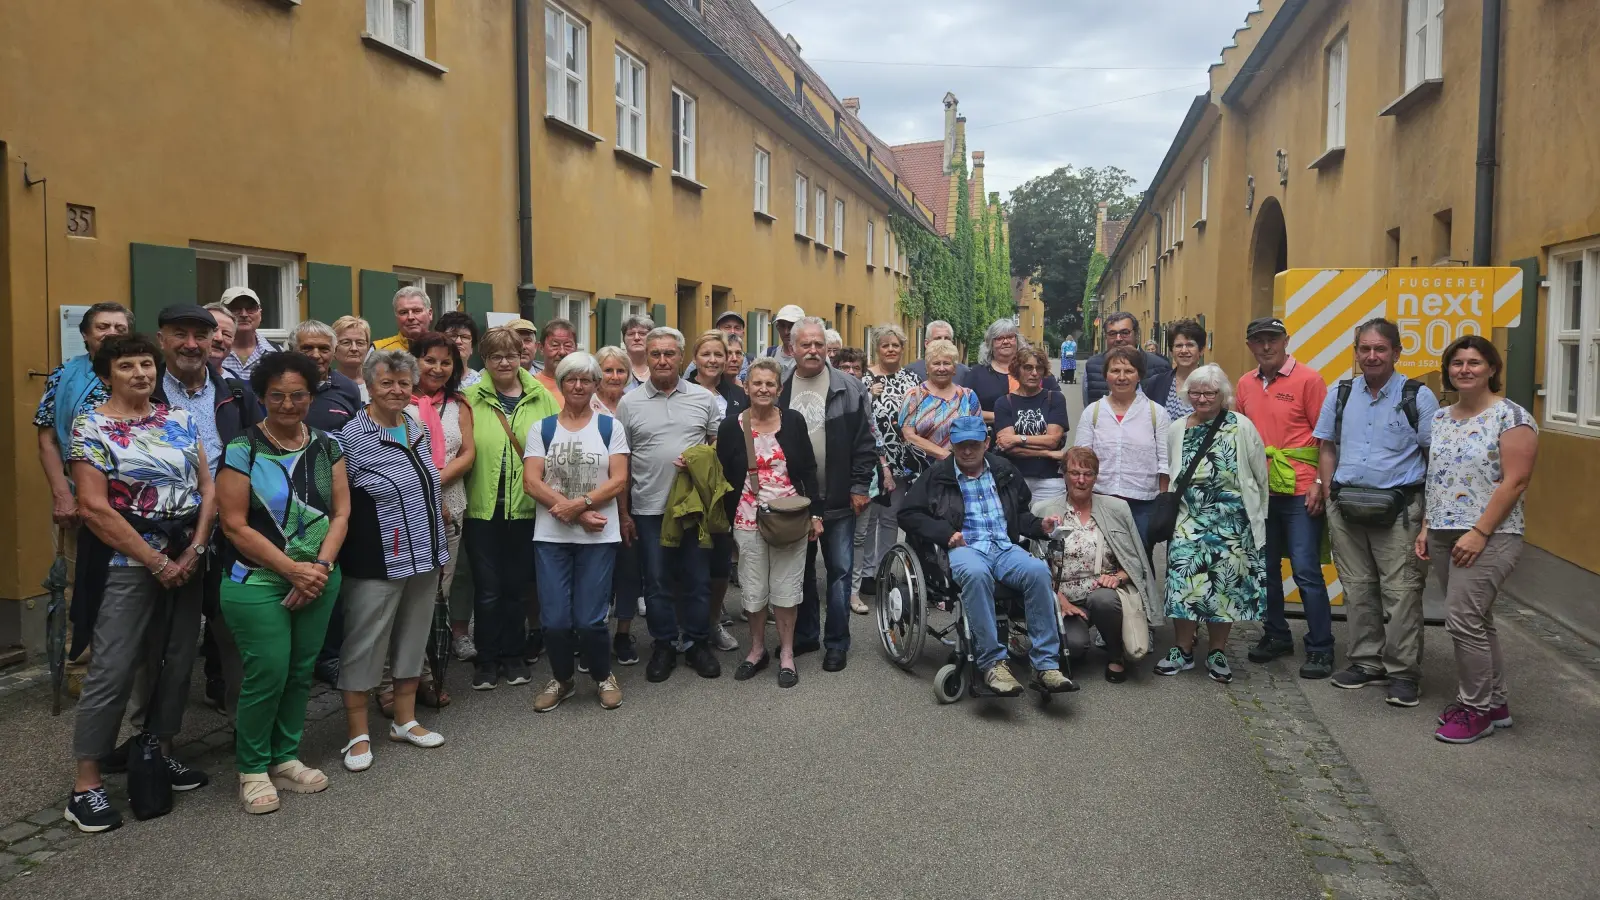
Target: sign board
pixel 71 338
pixel 500 319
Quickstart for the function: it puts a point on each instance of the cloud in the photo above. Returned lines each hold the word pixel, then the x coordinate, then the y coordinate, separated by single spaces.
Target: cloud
pixel 1155 51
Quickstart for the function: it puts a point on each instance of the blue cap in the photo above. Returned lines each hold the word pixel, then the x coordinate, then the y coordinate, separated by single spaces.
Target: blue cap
pixel 968 428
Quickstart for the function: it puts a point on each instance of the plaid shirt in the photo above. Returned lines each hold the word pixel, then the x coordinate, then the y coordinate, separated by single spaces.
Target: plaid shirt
pixel 983 520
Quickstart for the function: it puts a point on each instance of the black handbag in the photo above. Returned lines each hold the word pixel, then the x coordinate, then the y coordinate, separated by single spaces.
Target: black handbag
pixel 1378 507
pixel 149 779
pixel 1164 510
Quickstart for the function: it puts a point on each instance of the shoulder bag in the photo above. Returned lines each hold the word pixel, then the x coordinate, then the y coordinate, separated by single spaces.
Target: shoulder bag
pixel 1135 623
pixel 506 424
pixel 785 521
pixel 1164 512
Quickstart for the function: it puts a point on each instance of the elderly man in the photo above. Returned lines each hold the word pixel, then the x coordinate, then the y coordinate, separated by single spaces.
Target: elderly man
pixel 1375 432
pixel 838 414
pixel 783 350
pixel 413 311
pixel 559 341
pixel 71 389
pixel 335 399
pixel 1122 330
pixel 976 504
pixel 1283 399
pixel 937 330
pixel 222 337
pixel 528 335
pixel 248 344
pixel 732 324
pixel 666 416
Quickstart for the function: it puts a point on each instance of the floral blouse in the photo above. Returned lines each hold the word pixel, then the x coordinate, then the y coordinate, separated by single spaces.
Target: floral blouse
pixel 772 475
pixel 886 405
pixel 1079 557
pixel 1464 467
pixel 152 465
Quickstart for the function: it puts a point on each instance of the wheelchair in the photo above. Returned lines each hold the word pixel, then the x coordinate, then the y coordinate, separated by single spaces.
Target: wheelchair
pixel 918 598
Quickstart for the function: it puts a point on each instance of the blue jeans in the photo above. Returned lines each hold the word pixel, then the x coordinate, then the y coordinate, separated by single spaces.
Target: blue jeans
pixel 627 582
pixel 574 597
pixel 1141 519
pixel 1293 532
pixel 500 553
pixel 976 571
pixel 677 595
pixel 838 547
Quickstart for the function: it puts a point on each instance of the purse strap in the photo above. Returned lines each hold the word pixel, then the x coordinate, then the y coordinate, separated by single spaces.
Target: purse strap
pixel 506 424
pixel 1194 462
pixel 750 456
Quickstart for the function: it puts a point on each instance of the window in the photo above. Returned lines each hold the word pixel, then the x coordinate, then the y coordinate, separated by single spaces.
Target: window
pixel 398 23
pixel 1205 188
pixel 1572 375
pixel 871 237
pixel 574 307
pixel 1183 211
pixel 763 181
pixel 821 233
pixel 1424 41
pixel 683 134
pixel 635 306
pixel 888 248
pixel 758 333
pixel 631 103
pixel 802 190
pixel 1338 56
pixel 441 287
pixel 275 277
pixel 902 259
pixel 566 67
pixel 838 224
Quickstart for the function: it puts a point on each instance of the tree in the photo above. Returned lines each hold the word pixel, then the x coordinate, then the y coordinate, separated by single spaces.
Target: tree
pixel 1052 232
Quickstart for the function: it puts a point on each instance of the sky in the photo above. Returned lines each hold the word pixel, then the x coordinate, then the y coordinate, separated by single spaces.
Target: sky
pixel 1010 60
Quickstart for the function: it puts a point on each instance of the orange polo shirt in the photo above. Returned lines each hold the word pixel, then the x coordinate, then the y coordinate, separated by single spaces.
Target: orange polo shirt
pixel 1285 409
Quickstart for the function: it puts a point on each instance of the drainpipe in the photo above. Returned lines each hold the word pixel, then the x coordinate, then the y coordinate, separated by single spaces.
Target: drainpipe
pixel 525 289
pixel 1155 318
pixel 1488 129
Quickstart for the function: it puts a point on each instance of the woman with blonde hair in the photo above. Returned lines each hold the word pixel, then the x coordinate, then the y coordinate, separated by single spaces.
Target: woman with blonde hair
pixel 710 370
pixel 352 338
pixel 931 407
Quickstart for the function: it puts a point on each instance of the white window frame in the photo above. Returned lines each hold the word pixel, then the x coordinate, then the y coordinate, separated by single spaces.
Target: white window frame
pixel 763 185
pixel 557 74
pixel 422 278
pixel 1338 68
pixel 872 237
pixel 1183 211
pixel 802 196
pixel 888 249
pixel 632 105
pixel 838 223
pixel 902 261
pixel 820 211
pixel 383 25
pixel 758 333
pixel 239 260
pixel 577 308
pixel 1205 189
pixel 1424 41
pixel 685 131
pixel 1583 417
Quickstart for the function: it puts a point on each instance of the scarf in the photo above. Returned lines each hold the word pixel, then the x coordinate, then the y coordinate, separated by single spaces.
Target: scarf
pixel 428 409
pixel 77 380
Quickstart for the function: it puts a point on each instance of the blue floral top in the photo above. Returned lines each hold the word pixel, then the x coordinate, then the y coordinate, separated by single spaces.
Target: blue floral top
pixel 152 465
pixel 1464 467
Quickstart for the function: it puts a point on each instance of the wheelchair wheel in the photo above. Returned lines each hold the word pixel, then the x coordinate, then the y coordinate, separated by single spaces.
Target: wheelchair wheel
pixel 901 605
pixel 950 682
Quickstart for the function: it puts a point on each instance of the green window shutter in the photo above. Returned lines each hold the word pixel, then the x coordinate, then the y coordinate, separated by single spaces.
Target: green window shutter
pixel 1522 376
pixel 608 322
pixel 328 290
pixel 544 309
pixel 477 301
pixel 658 314
pixel 160 276
pixel 377 302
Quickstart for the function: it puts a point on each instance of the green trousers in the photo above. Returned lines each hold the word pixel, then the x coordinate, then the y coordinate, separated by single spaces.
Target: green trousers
pixel 278 649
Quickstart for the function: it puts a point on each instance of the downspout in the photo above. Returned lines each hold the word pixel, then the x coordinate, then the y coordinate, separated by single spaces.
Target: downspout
pixel 1488 129
pixel 525 289
pixel 1155 318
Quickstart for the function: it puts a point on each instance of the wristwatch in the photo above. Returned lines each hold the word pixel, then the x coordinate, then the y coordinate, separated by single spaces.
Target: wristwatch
pixel 323 563
pixel 588 502
pixel 199 549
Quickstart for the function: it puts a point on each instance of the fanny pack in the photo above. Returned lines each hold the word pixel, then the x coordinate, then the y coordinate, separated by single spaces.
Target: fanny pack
pixel 785 521
pixel 1380 507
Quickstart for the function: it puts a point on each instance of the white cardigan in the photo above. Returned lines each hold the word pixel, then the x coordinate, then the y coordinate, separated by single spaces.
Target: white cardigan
pixel 1251 451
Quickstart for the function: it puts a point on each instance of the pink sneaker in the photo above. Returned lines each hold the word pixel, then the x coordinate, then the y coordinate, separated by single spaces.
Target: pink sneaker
pixel 1499 715
pixel 1464 725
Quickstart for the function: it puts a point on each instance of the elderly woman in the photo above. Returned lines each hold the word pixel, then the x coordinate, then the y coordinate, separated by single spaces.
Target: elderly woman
pixel 462 330
pixel 1481 460
pixel 285 505
pixel 710 355
pixel 992 378
pixel 393 555
pixel 1097 558
pixel 888 383
pixel 144 491
pixel 500 515
pixel 929 408
pixel 627 581
pixel 736 353
pixel 1030 425
pixel 1186 344
pixel 635 329
pixel 784 466
pixel 834 342
pixel 334 398
pixel 1216 569
pixel 575 467
pixel 1129 434
pixel 352 338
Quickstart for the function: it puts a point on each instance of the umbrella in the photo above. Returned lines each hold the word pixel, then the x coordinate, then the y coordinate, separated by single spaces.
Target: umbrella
pixel 55 629
pixel 440 638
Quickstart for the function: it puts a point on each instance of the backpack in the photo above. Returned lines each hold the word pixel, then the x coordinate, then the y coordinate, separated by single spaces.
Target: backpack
pixel 547 430
pixel 1408 404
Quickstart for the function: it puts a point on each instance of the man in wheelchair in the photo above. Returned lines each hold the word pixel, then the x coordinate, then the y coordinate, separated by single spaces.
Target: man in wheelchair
pixel 975 504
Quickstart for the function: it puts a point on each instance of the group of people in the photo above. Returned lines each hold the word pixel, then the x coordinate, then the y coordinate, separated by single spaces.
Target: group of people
pixel 299 512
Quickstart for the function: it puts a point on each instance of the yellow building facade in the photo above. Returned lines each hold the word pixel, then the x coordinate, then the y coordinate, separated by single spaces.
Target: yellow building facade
pixel 326 153
pixel 1346 135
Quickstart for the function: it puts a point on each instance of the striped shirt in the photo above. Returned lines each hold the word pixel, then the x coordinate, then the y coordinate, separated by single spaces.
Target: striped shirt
pixel 396 529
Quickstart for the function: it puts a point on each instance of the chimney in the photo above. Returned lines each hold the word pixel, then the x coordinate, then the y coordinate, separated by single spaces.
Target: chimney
pixel 950 115
pixel 852 105
pixel 793 44
pixel 1100 227
pixel 978 194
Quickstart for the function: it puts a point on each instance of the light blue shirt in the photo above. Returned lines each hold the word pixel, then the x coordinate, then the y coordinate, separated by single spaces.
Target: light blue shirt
pixel 1378 447
pixel 202 408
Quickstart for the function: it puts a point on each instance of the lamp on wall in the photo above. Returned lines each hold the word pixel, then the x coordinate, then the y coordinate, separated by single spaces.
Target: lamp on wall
pixel 1283 167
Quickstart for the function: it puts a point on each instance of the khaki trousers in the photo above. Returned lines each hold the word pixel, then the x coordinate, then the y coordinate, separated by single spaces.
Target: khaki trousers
pixel 1469 596
pixel 1380 573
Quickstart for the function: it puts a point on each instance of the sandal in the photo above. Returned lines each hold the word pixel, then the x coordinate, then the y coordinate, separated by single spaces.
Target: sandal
pixel 358 762
pixel 296 777
pixel 859 606
pixel 402 734
pixel 257 794
pixel 431 696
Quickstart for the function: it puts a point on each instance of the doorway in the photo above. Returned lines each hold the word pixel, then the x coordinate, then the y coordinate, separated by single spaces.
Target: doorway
pixel 1269 255
pixel 688 309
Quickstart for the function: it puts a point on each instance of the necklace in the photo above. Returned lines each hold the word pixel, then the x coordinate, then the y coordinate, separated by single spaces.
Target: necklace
pixel 281 444
pixel 108 410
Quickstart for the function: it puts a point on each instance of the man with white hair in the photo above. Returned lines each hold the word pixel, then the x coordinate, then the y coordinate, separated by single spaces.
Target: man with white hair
pixel 248 344
pixel 838 414
pixel 413 310
pixel 937 330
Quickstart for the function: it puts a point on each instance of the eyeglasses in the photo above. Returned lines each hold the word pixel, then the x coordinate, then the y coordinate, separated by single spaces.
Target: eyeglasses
pixel 501 359
pixel 352 342
pixel 579 380
pixel 1203 395
pixel 276 398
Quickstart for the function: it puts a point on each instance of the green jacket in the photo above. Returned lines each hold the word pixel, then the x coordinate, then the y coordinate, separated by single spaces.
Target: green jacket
pixel 498 462
pixel 697 495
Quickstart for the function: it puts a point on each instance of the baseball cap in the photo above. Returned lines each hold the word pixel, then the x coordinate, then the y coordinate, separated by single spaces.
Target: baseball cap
pixel 968 428
pixel 521 325
pixel 730 314
pixel 186 314
pixel 790 314
pixel 238 296
pixel 1264 325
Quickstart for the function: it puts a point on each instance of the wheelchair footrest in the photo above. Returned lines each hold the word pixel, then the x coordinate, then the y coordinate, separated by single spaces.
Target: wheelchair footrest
pixel 982 690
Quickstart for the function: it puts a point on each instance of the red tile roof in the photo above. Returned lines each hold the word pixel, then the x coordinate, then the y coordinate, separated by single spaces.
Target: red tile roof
pixel 1114 229
pixel 922 170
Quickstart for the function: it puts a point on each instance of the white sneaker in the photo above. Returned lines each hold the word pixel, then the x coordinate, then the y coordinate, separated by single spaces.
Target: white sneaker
pixel 722 640
pixel 465 649
pixel 641 607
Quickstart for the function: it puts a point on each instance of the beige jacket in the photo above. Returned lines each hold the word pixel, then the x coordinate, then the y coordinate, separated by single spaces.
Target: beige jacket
pixel 1252 455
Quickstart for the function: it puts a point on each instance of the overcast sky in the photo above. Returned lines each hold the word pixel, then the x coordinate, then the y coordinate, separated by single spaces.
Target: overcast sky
pixel 1103 50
